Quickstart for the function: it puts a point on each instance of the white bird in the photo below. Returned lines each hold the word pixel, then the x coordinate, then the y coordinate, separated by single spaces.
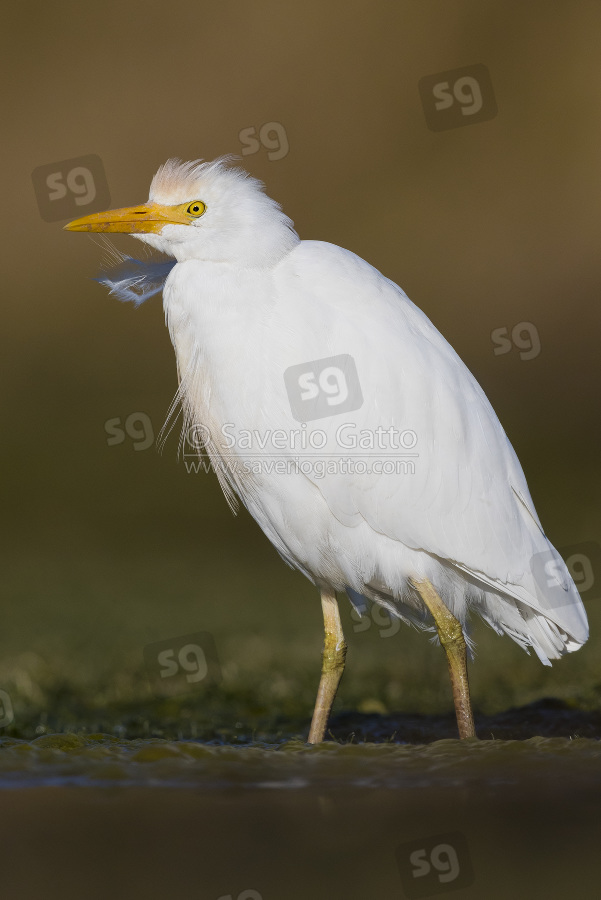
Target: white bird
pixel 346 424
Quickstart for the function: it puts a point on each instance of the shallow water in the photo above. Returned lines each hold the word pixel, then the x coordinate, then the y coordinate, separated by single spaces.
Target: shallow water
pixel 102 760
pixel 544 740
pixel 258 820
pixel 337 822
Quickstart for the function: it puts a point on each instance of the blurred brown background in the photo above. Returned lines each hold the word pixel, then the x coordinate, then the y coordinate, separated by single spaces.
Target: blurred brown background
pixel 106 548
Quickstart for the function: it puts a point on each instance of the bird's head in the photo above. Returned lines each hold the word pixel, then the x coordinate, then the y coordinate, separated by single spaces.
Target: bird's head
pixel 205 211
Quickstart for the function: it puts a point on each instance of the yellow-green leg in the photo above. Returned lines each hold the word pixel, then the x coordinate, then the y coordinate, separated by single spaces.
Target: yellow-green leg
pixel 332 666
pixel 451 637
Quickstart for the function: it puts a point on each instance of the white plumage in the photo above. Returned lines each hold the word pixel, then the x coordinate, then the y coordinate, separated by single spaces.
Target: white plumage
pixel 246 301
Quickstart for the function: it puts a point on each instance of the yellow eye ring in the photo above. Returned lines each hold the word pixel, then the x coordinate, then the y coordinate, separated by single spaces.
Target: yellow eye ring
pixel 196 208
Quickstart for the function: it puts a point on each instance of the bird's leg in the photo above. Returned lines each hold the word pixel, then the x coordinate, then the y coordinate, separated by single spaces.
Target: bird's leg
pixel 332 666
pixel 451 637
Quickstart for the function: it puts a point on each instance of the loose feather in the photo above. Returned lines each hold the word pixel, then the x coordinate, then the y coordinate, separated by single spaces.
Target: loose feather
pixel 135 280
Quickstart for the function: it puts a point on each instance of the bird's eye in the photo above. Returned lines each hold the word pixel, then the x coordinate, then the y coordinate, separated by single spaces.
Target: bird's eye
pixel 196 208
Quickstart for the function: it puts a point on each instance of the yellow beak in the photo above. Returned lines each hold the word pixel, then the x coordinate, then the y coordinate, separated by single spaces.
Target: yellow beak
pixel 149 218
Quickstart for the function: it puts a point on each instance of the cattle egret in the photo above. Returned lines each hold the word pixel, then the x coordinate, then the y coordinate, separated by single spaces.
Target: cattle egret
pixel 346 424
